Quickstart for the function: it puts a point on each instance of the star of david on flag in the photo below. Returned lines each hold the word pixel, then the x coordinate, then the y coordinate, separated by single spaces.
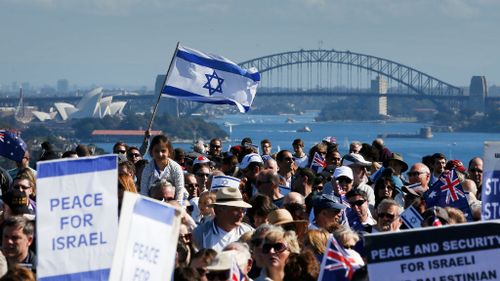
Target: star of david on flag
pixel 213 77
pixel 12 146
pixel 337 263
pixel 447 191
pixel 207 78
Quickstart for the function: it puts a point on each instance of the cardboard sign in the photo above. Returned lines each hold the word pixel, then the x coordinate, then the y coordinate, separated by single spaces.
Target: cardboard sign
pixel 147 240
pixel 77 217
pixel 457 252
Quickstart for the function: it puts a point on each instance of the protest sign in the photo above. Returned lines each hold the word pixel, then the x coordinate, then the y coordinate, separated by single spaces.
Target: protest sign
pixel 491 182
pixel 147 240
pixel 456 252
pixel 77 217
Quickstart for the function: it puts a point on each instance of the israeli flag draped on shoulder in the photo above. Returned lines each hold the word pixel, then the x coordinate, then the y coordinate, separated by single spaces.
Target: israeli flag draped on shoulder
pixel 201 77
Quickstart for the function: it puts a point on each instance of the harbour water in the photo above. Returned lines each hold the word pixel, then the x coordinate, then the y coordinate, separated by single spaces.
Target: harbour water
pixel 456 145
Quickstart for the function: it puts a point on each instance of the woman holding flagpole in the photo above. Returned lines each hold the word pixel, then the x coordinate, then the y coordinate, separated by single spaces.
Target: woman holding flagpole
pixel 162 167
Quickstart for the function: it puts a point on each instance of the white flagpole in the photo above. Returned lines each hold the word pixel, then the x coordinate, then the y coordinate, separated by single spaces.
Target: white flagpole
pixel 159 95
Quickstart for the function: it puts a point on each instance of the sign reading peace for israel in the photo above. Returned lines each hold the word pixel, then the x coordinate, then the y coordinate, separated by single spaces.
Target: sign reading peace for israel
pixel 450 253
pixel 491 182
pixel 77 217
pixel 147 240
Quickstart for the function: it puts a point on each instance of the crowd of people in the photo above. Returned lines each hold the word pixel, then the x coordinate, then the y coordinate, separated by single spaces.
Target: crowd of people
pixel 271 212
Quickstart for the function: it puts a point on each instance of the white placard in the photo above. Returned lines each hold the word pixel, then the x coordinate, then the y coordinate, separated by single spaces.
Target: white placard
pixel 77 217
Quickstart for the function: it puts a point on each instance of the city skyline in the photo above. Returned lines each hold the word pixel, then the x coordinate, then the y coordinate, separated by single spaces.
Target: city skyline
pixel 129 42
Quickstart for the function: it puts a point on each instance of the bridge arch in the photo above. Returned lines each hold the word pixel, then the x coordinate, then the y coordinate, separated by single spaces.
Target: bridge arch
pixel 412 78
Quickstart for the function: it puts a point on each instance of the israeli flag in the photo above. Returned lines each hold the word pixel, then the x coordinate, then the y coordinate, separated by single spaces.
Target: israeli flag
pixel 201 77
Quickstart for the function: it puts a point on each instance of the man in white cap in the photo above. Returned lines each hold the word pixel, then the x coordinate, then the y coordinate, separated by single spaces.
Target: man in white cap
pixel 227 225
pixel 250 166
pixel 358 164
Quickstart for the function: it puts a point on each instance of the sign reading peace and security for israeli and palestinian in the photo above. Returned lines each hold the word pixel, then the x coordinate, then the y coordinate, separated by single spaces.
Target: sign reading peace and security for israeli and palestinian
pixel 147 240
pixel 450 253
pixel 491 182
pixel 77 218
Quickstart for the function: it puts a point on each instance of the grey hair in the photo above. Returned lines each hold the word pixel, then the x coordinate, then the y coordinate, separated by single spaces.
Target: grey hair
pixel 160 184
pixel 387 203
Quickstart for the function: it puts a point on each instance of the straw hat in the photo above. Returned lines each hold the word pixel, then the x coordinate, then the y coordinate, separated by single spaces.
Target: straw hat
pixel 282 217
pixel 230 196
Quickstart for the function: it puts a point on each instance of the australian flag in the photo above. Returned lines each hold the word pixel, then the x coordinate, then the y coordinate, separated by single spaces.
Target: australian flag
pixel 318 163
pixel 12 146
pixel 337 263
pixel 447 191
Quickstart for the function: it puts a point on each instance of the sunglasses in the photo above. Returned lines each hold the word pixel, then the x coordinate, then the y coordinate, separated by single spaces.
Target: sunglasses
pixel 476 170
pixel 23 187
pixel 135 155
pixel 121 151
pixel 218 275
pixel 386 215
pixel 415 174
pixel 278 248
pixel 344 180
pixel 186 236
pixel 358 202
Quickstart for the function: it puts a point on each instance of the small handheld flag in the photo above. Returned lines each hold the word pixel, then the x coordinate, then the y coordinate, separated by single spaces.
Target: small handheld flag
pixel 337 263
pixel 12 146
pixel 318 163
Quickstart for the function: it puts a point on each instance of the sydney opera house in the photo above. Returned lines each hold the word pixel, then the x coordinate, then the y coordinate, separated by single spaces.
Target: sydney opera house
pixel 92 105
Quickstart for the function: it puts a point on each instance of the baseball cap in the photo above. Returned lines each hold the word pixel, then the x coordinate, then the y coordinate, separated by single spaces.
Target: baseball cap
pixel 328 201
pixel 249 158
pixel 343 171
pixel 355 159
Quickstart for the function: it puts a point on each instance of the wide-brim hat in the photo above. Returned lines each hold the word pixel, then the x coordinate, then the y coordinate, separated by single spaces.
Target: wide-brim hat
pixel 230 196
pixel 398 158
pixel 282 217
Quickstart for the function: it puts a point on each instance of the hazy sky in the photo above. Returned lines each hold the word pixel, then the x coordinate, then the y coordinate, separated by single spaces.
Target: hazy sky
pixel 129 42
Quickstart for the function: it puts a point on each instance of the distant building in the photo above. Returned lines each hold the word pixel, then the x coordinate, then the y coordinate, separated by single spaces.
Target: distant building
pixel 379 86
pixel 92 105
pixel 478 91
pixel 62 86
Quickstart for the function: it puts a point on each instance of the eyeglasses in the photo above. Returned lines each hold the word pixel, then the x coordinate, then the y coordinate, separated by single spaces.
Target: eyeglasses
pixel 358 202
pixel 278 248
pixel 218 275
pixel 415 174
pixel 20 186
pixel 387 215
pixel 202 175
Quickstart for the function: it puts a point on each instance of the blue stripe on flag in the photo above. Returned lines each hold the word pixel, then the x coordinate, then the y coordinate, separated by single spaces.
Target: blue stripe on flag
pixel 176 92
pixel 101 274
pixel 77 166
pixel 217 64
pixel 155 211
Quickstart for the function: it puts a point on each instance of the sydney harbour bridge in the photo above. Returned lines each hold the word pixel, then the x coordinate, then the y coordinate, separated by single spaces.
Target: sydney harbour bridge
pixel 333 73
